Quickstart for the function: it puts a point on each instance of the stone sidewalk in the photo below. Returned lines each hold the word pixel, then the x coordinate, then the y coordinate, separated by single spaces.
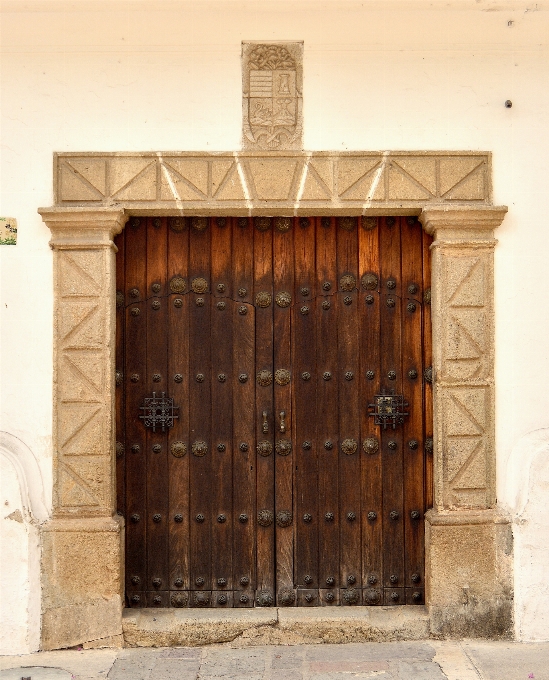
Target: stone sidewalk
pixel 427 660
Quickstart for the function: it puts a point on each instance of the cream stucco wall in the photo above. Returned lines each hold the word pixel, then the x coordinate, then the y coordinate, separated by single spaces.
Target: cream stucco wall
pixel 165 75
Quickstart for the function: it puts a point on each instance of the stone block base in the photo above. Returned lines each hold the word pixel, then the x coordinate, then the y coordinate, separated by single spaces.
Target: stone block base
pixel 469 574
pixel 81 579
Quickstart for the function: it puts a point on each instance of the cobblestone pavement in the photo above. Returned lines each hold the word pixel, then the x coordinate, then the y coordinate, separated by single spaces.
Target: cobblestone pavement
pixel 429 660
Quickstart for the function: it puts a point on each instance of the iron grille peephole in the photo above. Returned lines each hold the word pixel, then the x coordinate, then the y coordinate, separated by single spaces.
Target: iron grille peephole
pixel 388 410
pixel 159 411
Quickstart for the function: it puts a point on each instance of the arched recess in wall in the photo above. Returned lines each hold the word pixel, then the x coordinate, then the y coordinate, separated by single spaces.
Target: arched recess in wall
pixel 526 493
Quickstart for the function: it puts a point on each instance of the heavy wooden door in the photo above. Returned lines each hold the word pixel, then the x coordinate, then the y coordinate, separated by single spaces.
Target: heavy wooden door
pixel 274 415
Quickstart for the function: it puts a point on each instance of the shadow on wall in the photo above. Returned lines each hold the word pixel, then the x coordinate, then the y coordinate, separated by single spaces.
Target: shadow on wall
pixel 527 494
pixel 23 509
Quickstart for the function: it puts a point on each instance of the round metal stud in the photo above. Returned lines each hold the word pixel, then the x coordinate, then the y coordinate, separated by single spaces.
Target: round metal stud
pixel 326 222
pixel 330 581
pixel 304 222
pixel 328 445
pixel 157 448
pixel 263 299
pixel 221 599
pixel 199 449
pixel 244 447
pixel 329 597
pixel 413 444
pixel 157 223
pixel 346 223
pixel 242 292
pixel 429 445
pixel 372 596
pixel 390 222
pixel 242 222
pixel 286 597
pixel 304 291
pixel 201 599
pixel 349 446
pixel 119 299
pixel 411 307
pixel 368 222
pixel 284 518
pixel 349 375
pixel 392 375
pixel 157 518
pixel 304 310
pixel 283 299
pixel 178 378
pixel 221 448
pixel 370 375
pixel 416 597
pixel 307 580
pixel 178 302
pixel 243 518
pixel 178 518
pixel 221 306
pixel 415 578
pixel 394 515
pixel 200 518
pixel 370 445
pixel 372 515
pixel 369 299
pixel 412 289
pixel 199 302
pixel 351 596
pixel 393 578
pixel 119 449
pixel 135 311
pixel 415 514
pixel 199 285
pixel 264 599
pixel 199 223
pixel 157 582
pixel 395 596
pixel 326 304
pixel 309 597
pixel 307 518
pixel 177 224
pixel 390 302
pixel 156 288
pixel 222 377
pixel 329 516
pixel 347 300
pixel 369 281
pixel 178 582
pixel 157 377
pixel 262 223
pixel 326 285
pixel 221 222
pixel 327 375
pixel 264 378
pixel 243 377
pixel 282 376
pixel 392 445
pixel 265 518
pixel 135 580
pixel 306 445
pixel 412 374
pixel 428 374
pixel 305 375
pixel 391 284
pixel 347 282
pixel 264 448
pixel 136 599
pixel 135 448
pixel 351 516
pixel 135 222
pixel 220 287
pixel 199 377
pixel 221 519
pixel 118 378
pixel 244 598
pixel 221 582
pixel 178 449
pixel 283 224
pixel 135 517
pixel 134 292
pixel 179 599
pixel 372 579
pixel 427 296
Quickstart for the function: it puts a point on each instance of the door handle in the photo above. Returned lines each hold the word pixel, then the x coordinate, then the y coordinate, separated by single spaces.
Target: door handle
pixel 265 423
pixel 282 421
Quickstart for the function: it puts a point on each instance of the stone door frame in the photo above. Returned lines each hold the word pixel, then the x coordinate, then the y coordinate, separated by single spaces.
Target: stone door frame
pixel 468 560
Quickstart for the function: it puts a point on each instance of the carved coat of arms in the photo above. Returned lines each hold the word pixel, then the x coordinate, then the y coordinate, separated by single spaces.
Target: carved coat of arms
pixel 272 96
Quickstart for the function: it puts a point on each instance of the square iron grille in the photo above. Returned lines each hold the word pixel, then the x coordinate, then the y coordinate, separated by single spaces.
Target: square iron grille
pixel 388 410
pixel 159 411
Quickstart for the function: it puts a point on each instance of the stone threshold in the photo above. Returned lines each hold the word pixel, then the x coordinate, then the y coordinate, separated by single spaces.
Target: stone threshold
pixel 250 627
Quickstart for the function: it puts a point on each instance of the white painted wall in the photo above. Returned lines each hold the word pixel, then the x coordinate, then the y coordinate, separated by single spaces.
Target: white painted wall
pixel 165 75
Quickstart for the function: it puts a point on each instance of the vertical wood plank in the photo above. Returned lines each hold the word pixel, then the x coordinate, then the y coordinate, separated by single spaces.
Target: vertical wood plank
pixel 244 387
pixel 121 452
pixel 200 370
pixel 391 440
pixel 179 378
pixel 327 415
pixel 347 378
pixel 135 379
pixel 263 283
pixel 428 361
pixel 306 446
pixel 283 271
pixel 371 469
pixel 156 381
pixel 222 417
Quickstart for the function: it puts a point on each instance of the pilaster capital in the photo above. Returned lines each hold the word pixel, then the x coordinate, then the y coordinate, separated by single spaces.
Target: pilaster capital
pixel 77 227
pixel 462 224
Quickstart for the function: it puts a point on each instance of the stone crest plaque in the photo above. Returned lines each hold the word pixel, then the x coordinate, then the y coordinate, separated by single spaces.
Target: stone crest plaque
pixel 272 98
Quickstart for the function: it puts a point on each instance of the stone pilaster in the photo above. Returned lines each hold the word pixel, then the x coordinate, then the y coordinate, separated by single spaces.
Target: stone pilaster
pixel 468 552
pixel 82 550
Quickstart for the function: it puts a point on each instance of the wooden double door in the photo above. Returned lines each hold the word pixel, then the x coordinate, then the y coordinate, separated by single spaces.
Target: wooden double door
pixel 273 410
